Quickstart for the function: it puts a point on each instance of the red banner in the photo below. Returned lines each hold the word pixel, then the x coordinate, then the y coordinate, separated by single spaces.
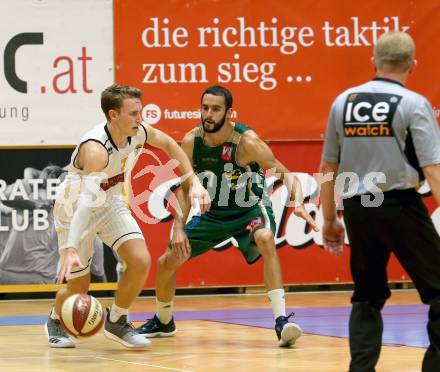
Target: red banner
pixel 284 66
pixel 302 256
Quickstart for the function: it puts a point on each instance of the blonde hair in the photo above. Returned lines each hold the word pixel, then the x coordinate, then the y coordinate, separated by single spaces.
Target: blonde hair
pixel 113 96
pixel 394 52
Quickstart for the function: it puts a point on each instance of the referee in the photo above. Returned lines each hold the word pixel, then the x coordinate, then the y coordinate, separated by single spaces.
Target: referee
pixel 381 140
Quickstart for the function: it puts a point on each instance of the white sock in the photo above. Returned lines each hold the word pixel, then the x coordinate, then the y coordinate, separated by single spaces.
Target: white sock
pixel 54 315
pixel 277 301
pixel 164 311
pixel 116 312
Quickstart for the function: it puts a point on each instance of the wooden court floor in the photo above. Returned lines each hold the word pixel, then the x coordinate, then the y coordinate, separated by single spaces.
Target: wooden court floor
pixel 198 345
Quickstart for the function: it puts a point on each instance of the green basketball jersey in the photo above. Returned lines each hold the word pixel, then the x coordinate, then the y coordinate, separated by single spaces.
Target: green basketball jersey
pixel 229 184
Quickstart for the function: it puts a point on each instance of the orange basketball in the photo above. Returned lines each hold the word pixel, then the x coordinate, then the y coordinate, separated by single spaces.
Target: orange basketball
pixel 82 315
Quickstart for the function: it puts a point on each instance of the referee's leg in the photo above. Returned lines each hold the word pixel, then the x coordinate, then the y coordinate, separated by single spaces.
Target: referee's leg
pixel 368 260
pixel 418 250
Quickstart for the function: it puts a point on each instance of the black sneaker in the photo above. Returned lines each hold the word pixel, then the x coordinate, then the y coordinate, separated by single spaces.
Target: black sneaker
pixel 154 328
pixel 287 332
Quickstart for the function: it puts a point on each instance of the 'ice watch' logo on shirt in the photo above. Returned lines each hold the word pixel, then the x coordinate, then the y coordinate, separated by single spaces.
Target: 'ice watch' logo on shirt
pixel 370 114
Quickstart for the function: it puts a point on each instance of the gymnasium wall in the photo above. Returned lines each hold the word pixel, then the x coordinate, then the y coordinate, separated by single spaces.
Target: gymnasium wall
pixel 284 62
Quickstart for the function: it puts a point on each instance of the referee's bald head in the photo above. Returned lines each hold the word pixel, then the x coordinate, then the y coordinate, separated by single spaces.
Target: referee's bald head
pixel 394 52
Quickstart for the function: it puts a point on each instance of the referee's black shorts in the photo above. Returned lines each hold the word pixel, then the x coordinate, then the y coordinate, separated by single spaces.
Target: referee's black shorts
pixel 402 225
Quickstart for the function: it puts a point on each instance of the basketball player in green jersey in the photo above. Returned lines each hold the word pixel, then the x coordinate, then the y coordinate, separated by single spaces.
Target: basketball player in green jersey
pixel 230 158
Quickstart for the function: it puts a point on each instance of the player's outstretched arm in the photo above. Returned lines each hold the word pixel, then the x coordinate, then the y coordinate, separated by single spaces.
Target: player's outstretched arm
pixel 179 241
pixel 92 159
pixel 253 149
pixel 197 192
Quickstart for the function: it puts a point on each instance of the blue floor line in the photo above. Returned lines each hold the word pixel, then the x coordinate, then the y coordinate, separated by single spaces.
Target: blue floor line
pixel 403 324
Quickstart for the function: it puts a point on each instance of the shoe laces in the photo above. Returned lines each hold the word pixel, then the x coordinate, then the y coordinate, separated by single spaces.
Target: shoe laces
pixel 150 320
pixel 129 326
pixel 290 315
pixel 124 324
pixel 286 318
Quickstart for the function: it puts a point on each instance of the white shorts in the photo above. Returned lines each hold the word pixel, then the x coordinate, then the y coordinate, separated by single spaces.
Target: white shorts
pixel 113 224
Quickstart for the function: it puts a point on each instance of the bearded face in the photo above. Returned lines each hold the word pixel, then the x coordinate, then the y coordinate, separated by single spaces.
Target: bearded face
pixel 213 113
pixel 211 126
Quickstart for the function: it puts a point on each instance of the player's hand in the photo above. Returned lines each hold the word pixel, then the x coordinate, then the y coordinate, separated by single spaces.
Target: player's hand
pixel 333 234
pixel 180 245
pixel 300 211
pixel 199 196
pixel 69 259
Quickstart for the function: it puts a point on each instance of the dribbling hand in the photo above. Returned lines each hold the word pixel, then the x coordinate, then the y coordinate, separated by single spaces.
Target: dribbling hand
pixel 69 259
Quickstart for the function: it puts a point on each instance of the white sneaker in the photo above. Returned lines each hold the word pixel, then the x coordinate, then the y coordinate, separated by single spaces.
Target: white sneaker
pixel 56 335
pixel 124 333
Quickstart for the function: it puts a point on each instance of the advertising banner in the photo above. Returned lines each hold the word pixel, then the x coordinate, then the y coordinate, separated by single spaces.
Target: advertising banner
pixel 284 61
pixel 28 241
pixel 57 56
pixel 302 256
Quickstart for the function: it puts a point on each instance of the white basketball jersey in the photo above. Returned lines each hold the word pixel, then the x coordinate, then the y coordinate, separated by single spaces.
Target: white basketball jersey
pixel 120 161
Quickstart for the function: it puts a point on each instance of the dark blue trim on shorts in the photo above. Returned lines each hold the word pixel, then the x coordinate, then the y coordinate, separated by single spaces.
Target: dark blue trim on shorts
pixel 193 223
pixel 133 232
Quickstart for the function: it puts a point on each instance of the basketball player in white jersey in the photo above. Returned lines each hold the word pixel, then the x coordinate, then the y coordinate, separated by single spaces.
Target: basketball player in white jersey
pixel 99 165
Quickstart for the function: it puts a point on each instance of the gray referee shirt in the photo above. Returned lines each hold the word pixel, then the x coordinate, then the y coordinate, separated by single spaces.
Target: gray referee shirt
pixel 366 133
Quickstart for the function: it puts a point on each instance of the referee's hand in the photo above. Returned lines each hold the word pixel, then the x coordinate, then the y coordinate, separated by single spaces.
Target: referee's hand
pixel 333 234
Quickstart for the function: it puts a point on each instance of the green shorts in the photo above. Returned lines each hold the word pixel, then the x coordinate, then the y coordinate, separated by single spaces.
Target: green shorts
pixel 217 225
